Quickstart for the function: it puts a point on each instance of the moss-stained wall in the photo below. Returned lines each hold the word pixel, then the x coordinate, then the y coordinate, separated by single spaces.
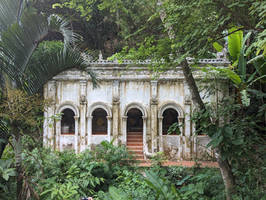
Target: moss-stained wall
pixel 120 89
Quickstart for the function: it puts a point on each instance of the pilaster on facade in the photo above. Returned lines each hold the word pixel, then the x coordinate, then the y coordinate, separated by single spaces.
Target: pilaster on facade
pixel 83 110
pixel 49 124
pixel 124 129
pixel 160 122
pixel 153 117
pixel 116 110
pixel 109 127
pixel 188 140
pixel 89 131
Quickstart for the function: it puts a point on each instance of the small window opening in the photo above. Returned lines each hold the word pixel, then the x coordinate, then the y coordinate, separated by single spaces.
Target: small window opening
pixel 68 122
pixel 99 122
pixel 170 122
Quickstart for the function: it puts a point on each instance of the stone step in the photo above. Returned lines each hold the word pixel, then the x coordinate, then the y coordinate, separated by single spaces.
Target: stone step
pixel 134 136
pixel 134 133
pixel 132 148
pixel 136 152
pixel 134 144
pixel 139 140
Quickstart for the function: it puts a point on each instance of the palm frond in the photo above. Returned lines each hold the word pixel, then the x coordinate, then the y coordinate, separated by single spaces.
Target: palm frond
pixel 4 136
pixel 3 127
pixel 7 10
pixel 58 24
pixel 19 42
pixel 39 73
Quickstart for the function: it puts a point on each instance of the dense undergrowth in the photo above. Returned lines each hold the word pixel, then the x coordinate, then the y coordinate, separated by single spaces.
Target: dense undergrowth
pixel 108 173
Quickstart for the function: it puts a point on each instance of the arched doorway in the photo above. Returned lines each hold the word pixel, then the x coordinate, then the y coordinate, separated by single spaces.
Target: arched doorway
pixel 99 122
pixel 134 120
pixel 68 122
pixel 170 122
pixel 135 132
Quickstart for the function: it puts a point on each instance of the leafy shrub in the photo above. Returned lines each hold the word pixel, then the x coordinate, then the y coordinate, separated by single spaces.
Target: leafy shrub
pixel 206 184
pixel 66 175
pixel 6 174
pixel 132 183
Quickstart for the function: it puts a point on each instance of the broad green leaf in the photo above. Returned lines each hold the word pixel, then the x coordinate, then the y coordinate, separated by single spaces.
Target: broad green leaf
pixel 234 77
pixel 238 141
pixel 228 132
pixel 5 176
pixel 217 46
pixel 235 42
pixel 242 63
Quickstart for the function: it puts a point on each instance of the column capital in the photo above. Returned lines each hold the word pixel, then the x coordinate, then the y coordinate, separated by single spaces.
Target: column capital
pixel 154 101
pixel 83 82
pixel 116 100
pixel 52 81
pixel 108 117
pixel 76 117
pixel 154 82
pixel 144 117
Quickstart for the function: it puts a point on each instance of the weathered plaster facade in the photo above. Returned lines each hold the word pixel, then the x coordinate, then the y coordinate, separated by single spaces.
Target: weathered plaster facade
pixel 123 87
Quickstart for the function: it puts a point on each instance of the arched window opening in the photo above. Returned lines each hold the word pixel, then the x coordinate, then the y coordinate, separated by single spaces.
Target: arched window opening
pixel 68 122
pixel 170 122
pixel 134 120
pixel 99 122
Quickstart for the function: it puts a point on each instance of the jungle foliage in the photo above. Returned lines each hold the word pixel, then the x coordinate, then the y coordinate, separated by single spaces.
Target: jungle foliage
pixel 168 31
pixel 104 173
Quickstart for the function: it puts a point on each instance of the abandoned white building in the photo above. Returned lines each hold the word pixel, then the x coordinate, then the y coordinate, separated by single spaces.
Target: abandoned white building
pixel 130 107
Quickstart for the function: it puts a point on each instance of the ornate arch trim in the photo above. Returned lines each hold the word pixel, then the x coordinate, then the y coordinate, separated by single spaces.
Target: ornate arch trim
pixel 101 105
pixel 173 105
pixel 135 105
pixel 70 105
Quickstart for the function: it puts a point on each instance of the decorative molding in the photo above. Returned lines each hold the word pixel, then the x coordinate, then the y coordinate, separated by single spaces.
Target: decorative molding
pixel 173 105
pixel 101 105
pixel 135 105
pixel 83 100
pixel 154 101
pixel 188 100
pixel 70 105
pixel 148 61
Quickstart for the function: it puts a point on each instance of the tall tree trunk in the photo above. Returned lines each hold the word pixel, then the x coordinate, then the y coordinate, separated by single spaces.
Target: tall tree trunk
pixel 18 160
pixel 227 176
pixel 224 166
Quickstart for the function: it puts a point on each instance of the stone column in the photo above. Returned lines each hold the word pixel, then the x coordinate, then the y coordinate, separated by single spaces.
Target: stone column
pixel 116 105
pixel 145 145
pixel 188 139
pixel 76 133
pixel 160 119
pixel 57 135
pixel 154 109
pixel 49 137
pixel 83 108
pixel 124 130
pixel 109 127
pixel 89 131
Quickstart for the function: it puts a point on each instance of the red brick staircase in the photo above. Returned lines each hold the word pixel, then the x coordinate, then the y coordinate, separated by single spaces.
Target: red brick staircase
pixel 135 145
